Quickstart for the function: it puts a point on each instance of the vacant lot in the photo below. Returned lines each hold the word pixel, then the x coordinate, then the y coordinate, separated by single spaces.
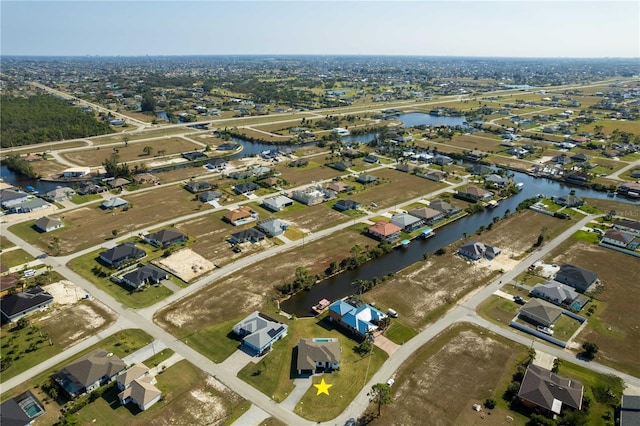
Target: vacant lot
pixel 482 143
pixel 314 218
pixel 605 205
pixel 255 287
pixel 48 168
pixel 210 234
pixel 14 257
pixel 423 291
pixel 614 325
pixel 50 332
pixel 189 397
pixel 314 171
pixel 89 226
pixel 5 243
pixel 471 364
pixel 395 187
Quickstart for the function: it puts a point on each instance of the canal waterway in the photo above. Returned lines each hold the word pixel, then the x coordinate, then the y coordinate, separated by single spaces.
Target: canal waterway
pixel 340 285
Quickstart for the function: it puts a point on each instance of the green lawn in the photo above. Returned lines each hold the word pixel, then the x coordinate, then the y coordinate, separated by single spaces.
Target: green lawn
pixel 121 343
pixel 15 257
pixel 156 359
pixel 216 342
pixel 81 199
pixel 5 243
pixel 498 309
pixel 83 265
pixel 589 237
pixel 399 332
pixel 564 327
pixel 293 234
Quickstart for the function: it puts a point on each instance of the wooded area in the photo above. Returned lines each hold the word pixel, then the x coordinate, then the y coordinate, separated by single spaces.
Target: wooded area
pixel 44 118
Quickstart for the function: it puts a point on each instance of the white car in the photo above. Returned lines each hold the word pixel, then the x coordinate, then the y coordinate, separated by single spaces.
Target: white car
pixel 545 330
pixel 390 382
pixel 29 273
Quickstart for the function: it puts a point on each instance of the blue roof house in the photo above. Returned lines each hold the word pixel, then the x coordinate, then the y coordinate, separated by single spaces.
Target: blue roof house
pixel 358 319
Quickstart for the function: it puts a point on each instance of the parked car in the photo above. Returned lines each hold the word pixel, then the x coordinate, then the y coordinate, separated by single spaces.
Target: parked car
pixel 392 313
pixel 391 381
pixel 29 273
pixel 519 300
pixel 545 330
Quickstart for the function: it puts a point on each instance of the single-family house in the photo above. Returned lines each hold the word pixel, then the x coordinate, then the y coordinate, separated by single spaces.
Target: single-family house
pixel 75 172
pixel 137 386
pixel 61 193
pixel 270 181
pixel 240 174
pixel 563 159
pixel 218 164
pixel 442 160
pixel 194 155
pixel 121 254
pixel 89 373
pixel 241 215
pixel 259 332
pixel 371 159
pixel 479 169
pixel 474 193
pixel 250 235
pixel 47 224
pixel 568 200
pixel 346 204
pixel 577 177
pixel 475 250
pixel 627 225
pixel 32 205
pixel 12 196
pixel 576 277
pixel 630 189
pixel 366 179
pixel 630 410
pixel 339 186
pixel 312 196
pixel 299 162
pixel 444 207
pixel 114 203
pixel 497 180
pixel 21 410
pixel 539 312
pixel 200 186
pixel 165 238
pixel 407 222
pixel 277 203
pixel 146 179
pixel 476 155
pixel 17 305
pixel 273 226
pixel 622 239
pixel 118 183
pixel 360 319
pixel 246 188
pixel 91 188
pixel 318 355
pixel 580 158
pixel 208 196
pixel 428 214
pixel 546 391
pixel 434 175
pixel 407 168
pixel 144 275
pixel 228 146
pixel 559 294
pixel 385 231
pixel 341 165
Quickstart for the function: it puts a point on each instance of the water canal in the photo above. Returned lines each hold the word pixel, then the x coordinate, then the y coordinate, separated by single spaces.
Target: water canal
pixel 340 285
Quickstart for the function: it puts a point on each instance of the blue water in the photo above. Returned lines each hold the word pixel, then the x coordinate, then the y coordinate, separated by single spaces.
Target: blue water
pixel 416 118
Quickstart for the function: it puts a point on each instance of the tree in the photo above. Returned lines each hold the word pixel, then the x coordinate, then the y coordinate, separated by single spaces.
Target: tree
pixel 114 232
pixel 490 403
pixel 125 139
pixel 590 350
pixel 380 393
pixel 148 103
pixel 556 365
pixel 22 323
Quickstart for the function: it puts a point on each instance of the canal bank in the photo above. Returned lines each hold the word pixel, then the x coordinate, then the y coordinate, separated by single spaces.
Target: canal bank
pixel 340 285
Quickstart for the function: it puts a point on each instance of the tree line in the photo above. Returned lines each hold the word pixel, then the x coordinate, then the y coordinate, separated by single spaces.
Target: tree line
pixel 43 118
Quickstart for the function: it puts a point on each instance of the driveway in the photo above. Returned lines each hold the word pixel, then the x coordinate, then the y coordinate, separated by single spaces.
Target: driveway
pixel 144 353
pixel 254 416
pixel 385 344
pixel 301 387
pixel 238 360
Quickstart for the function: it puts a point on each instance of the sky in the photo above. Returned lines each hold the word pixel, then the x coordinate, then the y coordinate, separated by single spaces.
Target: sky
pixel 431 28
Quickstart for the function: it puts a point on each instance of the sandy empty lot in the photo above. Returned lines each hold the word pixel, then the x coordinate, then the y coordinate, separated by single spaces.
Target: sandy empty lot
pixel 185 264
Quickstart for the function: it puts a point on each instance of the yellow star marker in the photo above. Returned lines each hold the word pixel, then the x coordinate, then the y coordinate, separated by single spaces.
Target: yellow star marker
pixel 323 387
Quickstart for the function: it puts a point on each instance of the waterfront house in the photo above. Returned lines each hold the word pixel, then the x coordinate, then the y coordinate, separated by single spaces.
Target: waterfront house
pixel 475 250
pixel 407 222
pixel 385 231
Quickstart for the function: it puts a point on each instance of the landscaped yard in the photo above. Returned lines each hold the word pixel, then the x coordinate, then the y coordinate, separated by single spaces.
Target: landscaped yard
pixel 463 366
pixel 189 396
pixel 498 309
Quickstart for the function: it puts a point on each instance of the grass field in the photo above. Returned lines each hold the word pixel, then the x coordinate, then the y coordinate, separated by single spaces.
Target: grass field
pixel 15 257
pixel 613 325
pixel 88 226
pixel 189 396
pixel 471 363
pixel 314 171
pixel 81 199
pixel 498 309
pixel 5 243
pixel 48 168
pixel 314 218
pixel 133 151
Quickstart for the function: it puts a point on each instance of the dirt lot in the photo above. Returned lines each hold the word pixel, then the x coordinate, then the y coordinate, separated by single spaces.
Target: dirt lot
pixel 395 187
pixel 252 288
pixel 185 264
pixel 132 152
pixel 88 226
pixel 315 170
pixel 314 218
pixel 472 365
pixel 614 325
pixel 428 288
pixel 48 168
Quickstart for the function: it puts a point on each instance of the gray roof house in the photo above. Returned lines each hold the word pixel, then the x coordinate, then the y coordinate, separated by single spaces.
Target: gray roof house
pixel 277 203
pixel 318 355
pixel 147 274
pixel 47 224
pixel 113 203
pixel 629 410
pixel 250 235
pixel 208 196
pixel 627 225
pixel 497 180
pixel 345 204
pixel 427 213
pixel 366 179
pixel 61 193
pixel 475 250
pixel 89 373
pixel 195 187
pixel 246 188
pixel 407 222
pixel 444 207
pixel 120 254
pixel 568 201
pixel 165 238
pixel 17 305
pixel 137 386
pixel 12 196
pixel 540 312
pixel 29 206
pixel 576 277
pixel 545 390
pixel 259 332
pixel 21 410
pixel 272 226
pixel 559 294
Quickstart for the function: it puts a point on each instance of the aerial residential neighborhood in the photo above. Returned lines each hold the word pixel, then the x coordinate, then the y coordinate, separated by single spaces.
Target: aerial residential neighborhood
pixel 198 229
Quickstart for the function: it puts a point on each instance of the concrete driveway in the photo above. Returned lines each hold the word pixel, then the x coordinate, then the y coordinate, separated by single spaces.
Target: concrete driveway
pixel 385 344
pixel 144 353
